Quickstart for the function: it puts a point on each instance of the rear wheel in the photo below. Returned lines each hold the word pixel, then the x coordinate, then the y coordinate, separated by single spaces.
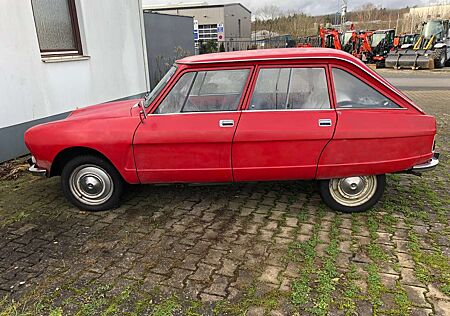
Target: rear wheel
pixel 447 55
pixel 91 183
pixel 352 194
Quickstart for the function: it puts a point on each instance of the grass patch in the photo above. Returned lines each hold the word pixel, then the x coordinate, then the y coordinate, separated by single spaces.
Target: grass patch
pixel 374 287
pixel 372 225
pixel 166 307
pixel 117 301
pixel 269 301
pixel 402 301
pixel 356 224
pixel 431 267
pixel 349 292
pixel 327 276
pixel 376 253
pixel 304 253
pixel 324 276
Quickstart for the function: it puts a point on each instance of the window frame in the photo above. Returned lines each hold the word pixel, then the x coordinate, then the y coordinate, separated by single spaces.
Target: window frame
pixel 181 73
pixel 365 81
pixel 78 51
pixel 324 66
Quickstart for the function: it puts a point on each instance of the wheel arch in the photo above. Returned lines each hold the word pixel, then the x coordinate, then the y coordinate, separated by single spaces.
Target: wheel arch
pixel 69 153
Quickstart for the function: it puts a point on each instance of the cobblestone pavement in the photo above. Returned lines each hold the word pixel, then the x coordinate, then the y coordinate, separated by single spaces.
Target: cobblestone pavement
pixel 267 248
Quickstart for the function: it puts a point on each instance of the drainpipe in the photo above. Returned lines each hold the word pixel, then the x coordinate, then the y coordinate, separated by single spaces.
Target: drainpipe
pixel 144 46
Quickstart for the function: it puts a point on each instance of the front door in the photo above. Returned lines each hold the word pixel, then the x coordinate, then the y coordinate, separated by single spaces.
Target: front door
pixel 188 137
pixel 288 122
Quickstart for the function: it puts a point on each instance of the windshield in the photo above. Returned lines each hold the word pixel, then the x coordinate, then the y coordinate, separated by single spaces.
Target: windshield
pixel 432 28
pixel 161 84
pixel 347 37
pixel 377 38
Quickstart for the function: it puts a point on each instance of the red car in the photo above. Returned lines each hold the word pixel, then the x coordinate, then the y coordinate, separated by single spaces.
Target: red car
pixel 281 114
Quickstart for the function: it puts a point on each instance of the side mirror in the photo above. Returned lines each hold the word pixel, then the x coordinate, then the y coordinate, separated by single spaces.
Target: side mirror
pixel 141 104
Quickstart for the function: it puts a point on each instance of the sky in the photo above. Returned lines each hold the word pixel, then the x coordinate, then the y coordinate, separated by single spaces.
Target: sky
pixel 313 7
pixel 319 7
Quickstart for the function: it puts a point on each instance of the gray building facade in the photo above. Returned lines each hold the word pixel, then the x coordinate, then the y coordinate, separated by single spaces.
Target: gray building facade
pixel 220 22
pixel 168 38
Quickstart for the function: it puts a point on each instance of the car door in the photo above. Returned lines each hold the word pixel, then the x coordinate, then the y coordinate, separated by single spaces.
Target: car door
pixel 188 136
pixel 288 122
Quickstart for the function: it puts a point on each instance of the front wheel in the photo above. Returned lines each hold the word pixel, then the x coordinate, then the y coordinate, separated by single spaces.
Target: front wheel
pixel 439 58
pixel 352 194
pixel 91 183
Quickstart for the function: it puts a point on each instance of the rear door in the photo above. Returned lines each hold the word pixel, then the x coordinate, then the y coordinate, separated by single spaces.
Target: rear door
pixel 286 125
pixel 188 137
pixel 378 131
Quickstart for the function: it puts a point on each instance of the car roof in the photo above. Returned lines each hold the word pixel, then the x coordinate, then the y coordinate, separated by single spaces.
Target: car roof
pixel 268 54
pixel 289 54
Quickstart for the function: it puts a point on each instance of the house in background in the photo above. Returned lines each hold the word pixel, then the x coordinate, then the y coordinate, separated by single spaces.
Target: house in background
pixel 168 38
pixel 213 22
pixel 58 55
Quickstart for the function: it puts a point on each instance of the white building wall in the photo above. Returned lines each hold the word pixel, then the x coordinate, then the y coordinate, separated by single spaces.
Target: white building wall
pixel 412 20
pixel 30 89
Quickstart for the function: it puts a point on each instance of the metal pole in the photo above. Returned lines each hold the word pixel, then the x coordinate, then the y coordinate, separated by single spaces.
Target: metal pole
pixel 396 25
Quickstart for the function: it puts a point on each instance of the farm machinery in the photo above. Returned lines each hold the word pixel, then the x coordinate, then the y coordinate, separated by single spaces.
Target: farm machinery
pixel 381 43
pixel 403 39
pixel 369 46
pixel 430 50
pixel 330 38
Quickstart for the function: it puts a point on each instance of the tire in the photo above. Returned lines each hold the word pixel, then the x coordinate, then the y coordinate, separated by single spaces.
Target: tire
pixel 439 58
pixel 91 183
pixel 447 62
pixel 338 194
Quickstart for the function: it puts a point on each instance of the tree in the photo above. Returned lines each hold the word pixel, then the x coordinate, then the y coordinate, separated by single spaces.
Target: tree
pixel 210 46
pixel 269 15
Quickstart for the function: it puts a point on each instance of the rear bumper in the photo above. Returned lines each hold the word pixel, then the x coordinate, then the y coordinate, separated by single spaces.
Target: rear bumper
pixel 34 169
pixel 427 166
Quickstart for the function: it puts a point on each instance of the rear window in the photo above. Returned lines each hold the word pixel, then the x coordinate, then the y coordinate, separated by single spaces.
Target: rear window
pixel 351 92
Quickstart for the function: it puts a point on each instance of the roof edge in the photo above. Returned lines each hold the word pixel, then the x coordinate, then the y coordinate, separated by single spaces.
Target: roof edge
pixel 187 6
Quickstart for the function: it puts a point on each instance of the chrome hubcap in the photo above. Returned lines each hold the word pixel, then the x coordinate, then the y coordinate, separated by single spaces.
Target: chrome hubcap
pixel 91 184
pixel 353 191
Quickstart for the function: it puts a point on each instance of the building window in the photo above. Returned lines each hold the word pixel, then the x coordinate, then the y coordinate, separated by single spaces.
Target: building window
pixel 57 27
pixel 207 32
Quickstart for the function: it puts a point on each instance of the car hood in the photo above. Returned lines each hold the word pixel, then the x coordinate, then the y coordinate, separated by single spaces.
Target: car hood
pixel 105 110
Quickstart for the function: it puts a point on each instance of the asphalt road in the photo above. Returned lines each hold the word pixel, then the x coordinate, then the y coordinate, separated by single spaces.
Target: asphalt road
pixel 419 79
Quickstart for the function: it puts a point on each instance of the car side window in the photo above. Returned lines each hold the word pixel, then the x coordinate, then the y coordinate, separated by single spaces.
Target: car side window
pixel 219 90
pixel 354 93
pixel 174 101
pixel 206 91
pixel 290 88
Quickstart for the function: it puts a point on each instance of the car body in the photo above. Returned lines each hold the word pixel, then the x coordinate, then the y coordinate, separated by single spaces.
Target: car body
pixel 263 115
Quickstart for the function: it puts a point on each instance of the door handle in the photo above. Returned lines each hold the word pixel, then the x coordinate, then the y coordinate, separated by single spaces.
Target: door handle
pixel 324 122
pixel 226 123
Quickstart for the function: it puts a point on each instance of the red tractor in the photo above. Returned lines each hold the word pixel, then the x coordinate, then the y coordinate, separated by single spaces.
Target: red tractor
pixel 330 38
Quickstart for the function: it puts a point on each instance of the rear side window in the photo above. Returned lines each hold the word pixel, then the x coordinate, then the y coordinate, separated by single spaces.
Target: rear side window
pixel 205 91
pixel 290 88
pixel 353 93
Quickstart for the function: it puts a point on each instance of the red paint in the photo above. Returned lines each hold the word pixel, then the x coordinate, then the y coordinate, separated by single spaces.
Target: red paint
pixel 262 145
